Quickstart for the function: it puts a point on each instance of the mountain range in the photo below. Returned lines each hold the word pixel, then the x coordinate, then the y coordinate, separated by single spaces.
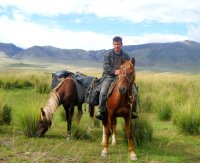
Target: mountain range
pixel 183 56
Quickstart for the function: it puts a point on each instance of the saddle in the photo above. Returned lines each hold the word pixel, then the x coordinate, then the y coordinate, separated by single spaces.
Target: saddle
pixel 82 82
pixel 93 91
pixel 58 76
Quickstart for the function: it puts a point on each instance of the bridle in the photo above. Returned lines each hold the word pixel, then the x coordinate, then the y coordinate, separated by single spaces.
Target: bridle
pixel 124 73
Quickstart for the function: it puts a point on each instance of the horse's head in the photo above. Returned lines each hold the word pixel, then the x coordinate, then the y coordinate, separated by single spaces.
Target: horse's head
pixel 44 124
pixel 126 76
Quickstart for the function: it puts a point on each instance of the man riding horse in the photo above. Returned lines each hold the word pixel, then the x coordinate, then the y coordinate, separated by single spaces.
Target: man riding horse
pixel 112 62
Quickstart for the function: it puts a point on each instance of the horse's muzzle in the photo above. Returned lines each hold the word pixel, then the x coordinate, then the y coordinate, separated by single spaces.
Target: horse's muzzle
pixel 38 133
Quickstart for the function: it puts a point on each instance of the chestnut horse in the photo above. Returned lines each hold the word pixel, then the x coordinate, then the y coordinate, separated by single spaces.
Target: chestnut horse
pixel 119 104
pixel 64 94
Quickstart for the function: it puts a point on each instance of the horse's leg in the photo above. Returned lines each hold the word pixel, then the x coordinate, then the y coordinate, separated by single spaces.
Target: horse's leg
pixel 69 109
pixel 107 130
pixel 91 112
pixel 114 122
pixel 129 135
pixel 80 112
pixel 66 107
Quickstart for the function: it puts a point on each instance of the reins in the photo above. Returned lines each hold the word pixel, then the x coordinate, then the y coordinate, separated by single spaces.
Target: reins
pixel 130 81
pixel 125 75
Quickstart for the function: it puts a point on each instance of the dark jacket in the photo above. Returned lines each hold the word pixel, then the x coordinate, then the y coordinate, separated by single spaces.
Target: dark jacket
pixel 112 62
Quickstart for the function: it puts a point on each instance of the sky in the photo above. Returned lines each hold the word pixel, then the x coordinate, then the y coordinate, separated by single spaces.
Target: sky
pixel 91 24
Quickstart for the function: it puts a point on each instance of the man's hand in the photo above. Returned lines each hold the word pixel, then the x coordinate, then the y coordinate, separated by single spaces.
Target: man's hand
pixel 117 72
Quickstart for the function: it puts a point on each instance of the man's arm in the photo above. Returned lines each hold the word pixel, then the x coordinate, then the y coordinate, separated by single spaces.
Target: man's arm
pixel 108 69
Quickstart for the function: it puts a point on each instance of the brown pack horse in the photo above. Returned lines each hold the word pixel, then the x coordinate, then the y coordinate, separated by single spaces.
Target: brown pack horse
pixel 64 94
pixel 119 104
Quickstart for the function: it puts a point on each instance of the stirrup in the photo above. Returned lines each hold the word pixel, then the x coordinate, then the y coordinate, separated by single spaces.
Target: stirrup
pixel 134 116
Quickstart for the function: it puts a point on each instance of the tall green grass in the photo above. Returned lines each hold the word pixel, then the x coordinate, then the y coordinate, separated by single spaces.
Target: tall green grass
pixel 142 130
pixel 29 122
pixel 180 92
pixel 163 94
pixel 164 110
pixel 38 80
pixel 187 119
pixel 172 97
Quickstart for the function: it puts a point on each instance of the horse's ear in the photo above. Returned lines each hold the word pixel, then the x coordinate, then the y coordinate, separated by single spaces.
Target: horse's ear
pixel 43 113
pixel 133 60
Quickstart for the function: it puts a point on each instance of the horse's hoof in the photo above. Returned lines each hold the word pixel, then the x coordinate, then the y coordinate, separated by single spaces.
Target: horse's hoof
pixel 104 154
pixel 133 157
pixel 68 138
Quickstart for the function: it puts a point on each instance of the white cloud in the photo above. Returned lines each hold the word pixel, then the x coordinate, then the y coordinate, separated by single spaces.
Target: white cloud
pixel 20 31
pixel 194 32
pixel 183 11
pixel 26 34
pixel 153 38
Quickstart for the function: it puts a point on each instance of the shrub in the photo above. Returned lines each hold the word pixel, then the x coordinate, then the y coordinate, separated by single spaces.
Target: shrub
pixel 10 80
pixel 5 114
pixel 147 103
pixel 188 121
pixel 142 130
pixel 43 88
pixel 164 111
pixel 7 85
pixel 80 132
pixel 29 122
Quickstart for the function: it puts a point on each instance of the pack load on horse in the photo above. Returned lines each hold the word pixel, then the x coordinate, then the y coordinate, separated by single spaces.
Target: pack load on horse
pixel 120 102
pixel 68 89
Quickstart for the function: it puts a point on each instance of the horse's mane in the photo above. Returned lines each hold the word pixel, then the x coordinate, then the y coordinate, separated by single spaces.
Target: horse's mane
pixel 117 78
pixel 112 85
pixel 53 101
pixel 51 105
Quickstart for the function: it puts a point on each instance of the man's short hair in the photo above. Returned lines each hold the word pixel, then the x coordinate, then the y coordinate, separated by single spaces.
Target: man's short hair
pixel 117 39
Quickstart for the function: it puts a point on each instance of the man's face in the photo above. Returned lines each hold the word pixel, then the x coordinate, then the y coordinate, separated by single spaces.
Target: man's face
pixel 117 47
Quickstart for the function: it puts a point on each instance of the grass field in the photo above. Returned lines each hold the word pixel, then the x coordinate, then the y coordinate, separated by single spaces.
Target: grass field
pixel 158 91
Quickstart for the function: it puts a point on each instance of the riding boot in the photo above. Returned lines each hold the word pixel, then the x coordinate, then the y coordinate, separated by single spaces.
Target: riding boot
pixel 134 107
pixel 134 113
pixel 134 116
